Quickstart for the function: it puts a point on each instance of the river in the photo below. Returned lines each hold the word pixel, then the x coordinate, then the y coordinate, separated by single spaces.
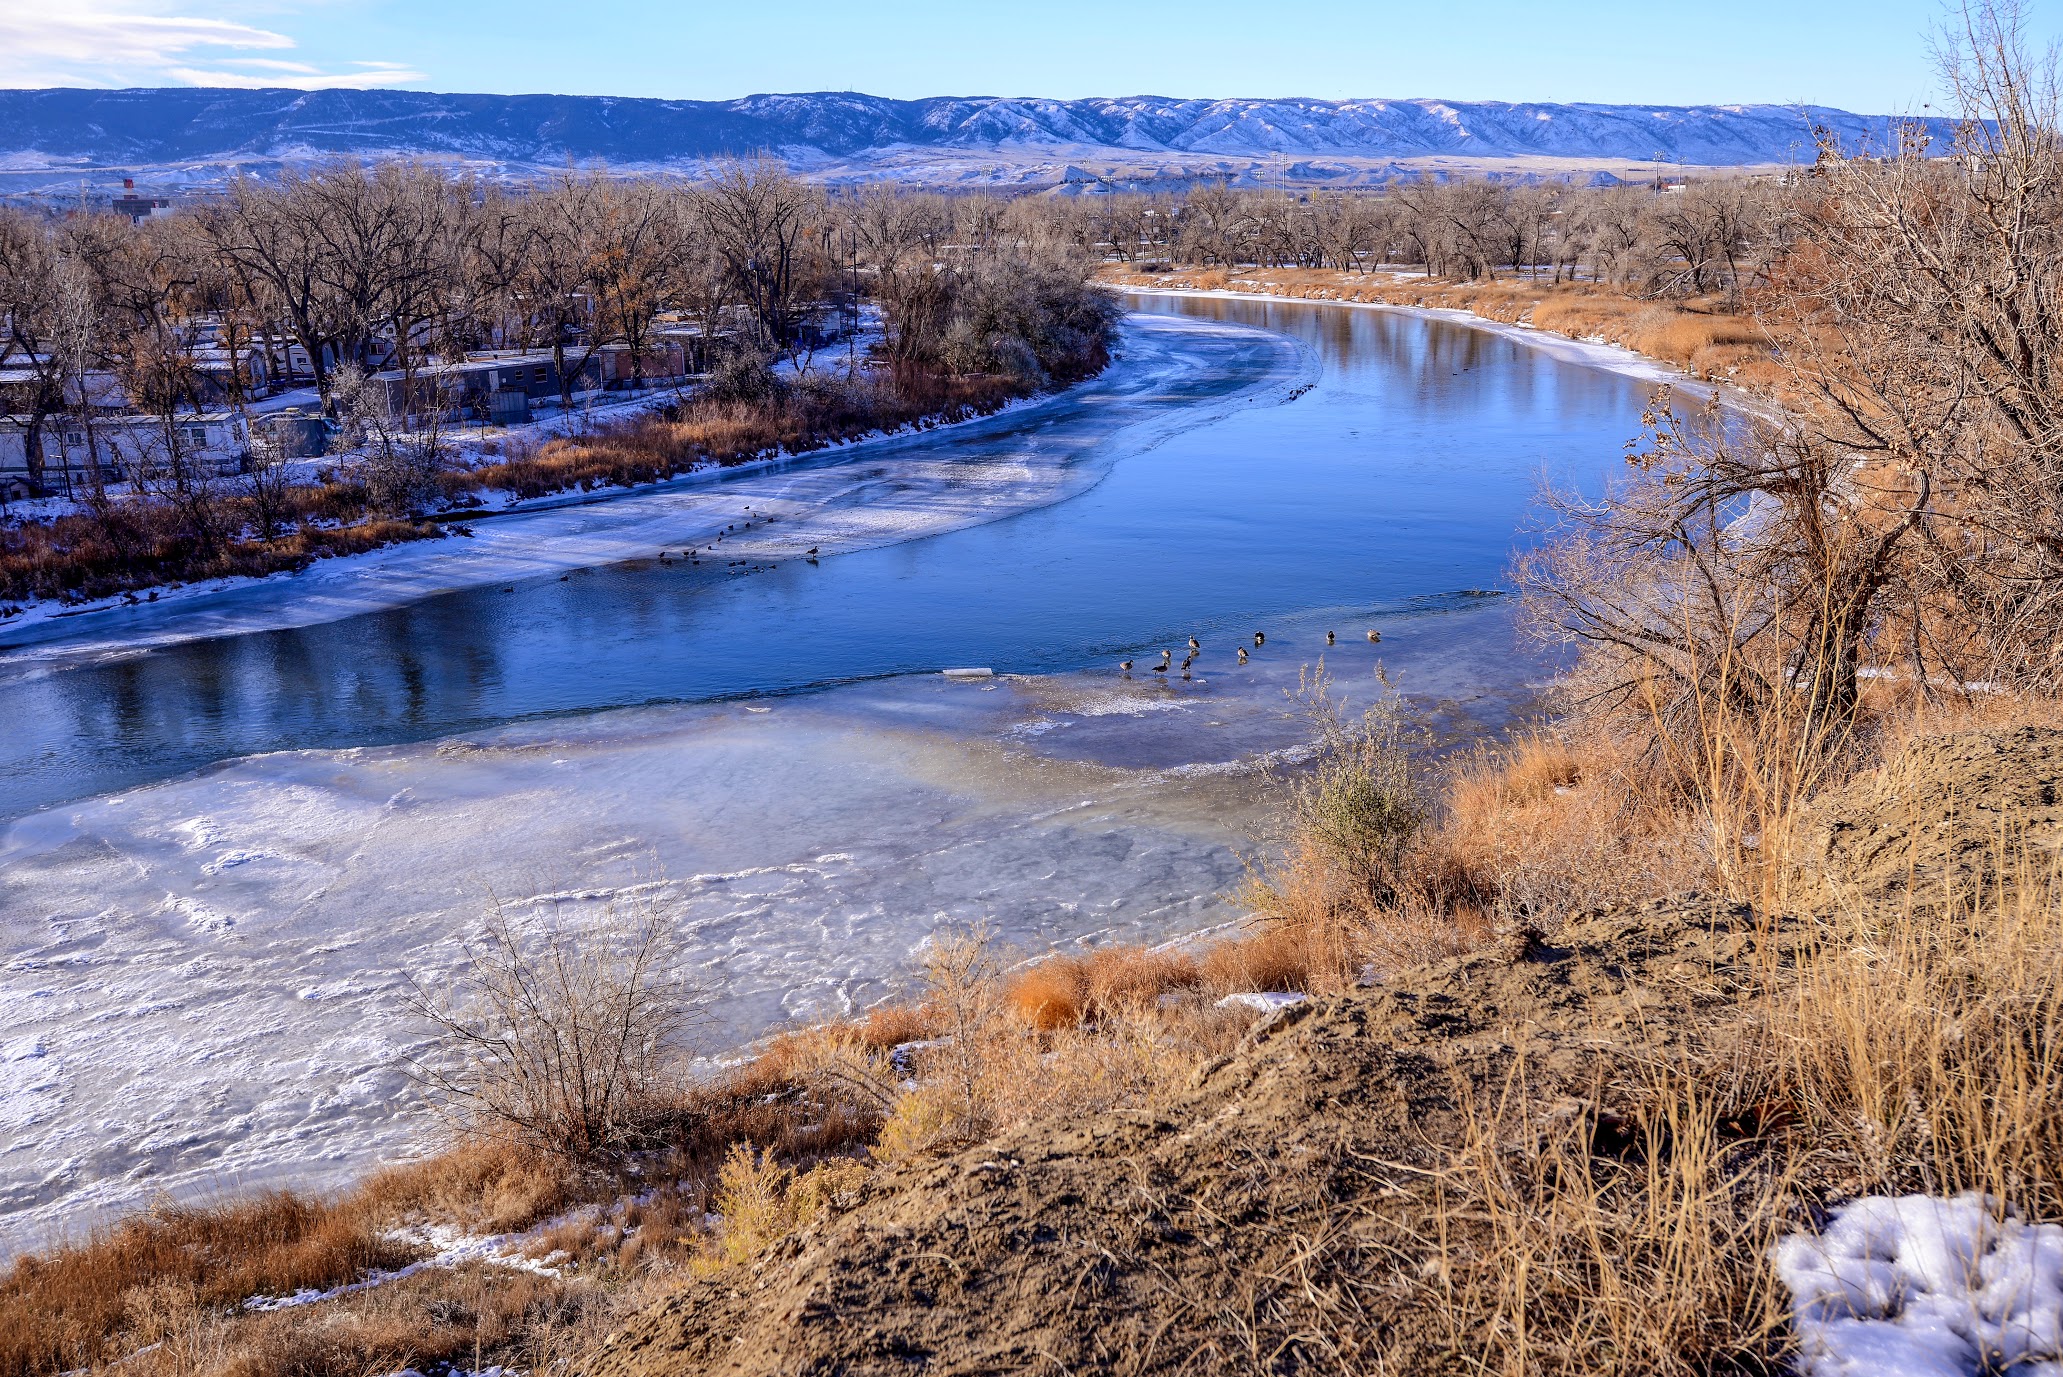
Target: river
pixel 240 816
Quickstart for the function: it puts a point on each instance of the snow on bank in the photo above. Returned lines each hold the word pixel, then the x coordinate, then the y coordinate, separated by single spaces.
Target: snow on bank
pixel 454 1248
pixel 1915 1286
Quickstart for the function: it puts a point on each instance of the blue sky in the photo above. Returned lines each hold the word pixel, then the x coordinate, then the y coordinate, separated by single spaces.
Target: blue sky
pixel 1867 55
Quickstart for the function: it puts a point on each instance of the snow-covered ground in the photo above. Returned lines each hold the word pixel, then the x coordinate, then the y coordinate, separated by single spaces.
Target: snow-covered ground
pixel 1916 1286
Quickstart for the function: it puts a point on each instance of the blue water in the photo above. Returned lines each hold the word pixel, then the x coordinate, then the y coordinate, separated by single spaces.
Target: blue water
pixel 1401 479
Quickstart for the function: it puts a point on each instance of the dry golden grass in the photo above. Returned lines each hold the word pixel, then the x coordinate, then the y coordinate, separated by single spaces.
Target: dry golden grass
pixel 1064 991
pixel 482 1185
pixel 1051 994
pixel 76 1307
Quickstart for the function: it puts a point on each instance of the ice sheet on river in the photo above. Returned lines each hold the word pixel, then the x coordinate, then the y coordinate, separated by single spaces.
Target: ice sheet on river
pixel 204 978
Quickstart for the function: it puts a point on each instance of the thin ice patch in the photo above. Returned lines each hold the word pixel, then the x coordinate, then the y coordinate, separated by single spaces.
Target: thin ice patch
pixel 1914 1286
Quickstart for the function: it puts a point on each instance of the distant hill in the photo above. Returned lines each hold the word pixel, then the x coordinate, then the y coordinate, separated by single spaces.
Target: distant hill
pixel 67 132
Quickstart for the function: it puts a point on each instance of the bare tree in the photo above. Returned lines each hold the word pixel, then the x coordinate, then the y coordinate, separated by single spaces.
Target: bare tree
pixel 759 218
pixel 403 438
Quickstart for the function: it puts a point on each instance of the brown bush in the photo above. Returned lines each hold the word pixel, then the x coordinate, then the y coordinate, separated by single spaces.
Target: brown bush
pixel 1279 955
pixel 1050 994
pixel 891 1025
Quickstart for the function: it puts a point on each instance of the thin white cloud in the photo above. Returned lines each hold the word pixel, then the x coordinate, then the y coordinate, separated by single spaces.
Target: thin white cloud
pixel 111 43
pixel 268 64
pixel 378 75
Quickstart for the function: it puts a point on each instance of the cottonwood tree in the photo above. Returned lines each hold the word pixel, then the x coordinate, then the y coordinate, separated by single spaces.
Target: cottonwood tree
pixel 1932 289
pixel 30 305
pixel 1906 515
pixel 557 281
pixel 759 218
pixel 643 236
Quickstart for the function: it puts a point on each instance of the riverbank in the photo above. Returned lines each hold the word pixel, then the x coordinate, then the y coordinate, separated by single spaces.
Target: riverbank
pixel 1700 341
pixel 1373 1115
pixel 60 566
pixel 830 499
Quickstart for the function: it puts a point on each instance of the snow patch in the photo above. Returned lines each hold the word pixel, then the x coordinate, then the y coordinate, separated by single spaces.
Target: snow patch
pixel 1267 1001
pixel 199 916
pixel 1916 1286
pixel 229 860
pixel 453 1249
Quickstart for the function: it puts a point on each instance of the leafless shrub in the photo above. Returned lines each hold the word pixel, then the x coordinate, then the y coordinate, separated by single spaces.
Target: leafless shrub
pixel 404 452
pixel 564 1039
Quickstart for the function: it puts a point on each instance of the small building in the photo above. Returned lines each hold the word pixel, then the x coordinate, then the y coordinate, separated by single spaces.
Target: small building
pixel 137 208
pixel 295 434
pixel 219 373
pixel 212 442
pixel 618 365
pixel 469 386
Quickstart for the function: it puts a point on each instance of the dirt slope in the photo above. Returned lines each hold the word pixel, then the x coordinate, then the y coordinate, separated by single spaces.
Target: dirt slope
pixel 1255 1225
pixel 1946 809
pixel 1199 1240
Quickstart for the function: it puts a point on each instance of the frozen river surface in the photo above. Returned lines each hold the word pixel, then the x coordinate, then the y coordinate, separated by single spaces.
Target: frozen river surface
pixel 230 847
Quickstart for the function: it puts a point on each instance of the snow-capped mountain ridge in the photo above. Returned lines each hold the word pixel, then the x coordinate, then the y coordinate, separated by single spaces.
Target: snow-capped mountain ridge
pixel 63 128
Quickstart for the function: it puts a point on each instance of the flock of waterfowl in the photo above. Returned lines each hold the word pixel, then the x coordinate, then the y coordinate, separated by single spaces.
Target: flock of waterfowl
pixel 692 556
pixel 1167 657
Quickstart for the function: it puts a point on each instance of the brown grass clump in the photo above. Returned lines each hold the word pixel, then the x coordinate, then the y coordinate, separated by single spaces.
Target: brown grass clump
pixel 145 544
pixel 1129 979
pixel 724 433
pixel 1050 994
pixel 1066 991
pixel 1281 955
pixel 482 1184
pixel 71 1308
pixel 891 1025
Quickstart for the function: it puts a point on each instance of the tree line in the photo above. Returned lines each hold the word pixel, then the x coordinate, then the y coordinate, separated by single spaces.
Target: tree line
pixel 1677 238
pixel 351 265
